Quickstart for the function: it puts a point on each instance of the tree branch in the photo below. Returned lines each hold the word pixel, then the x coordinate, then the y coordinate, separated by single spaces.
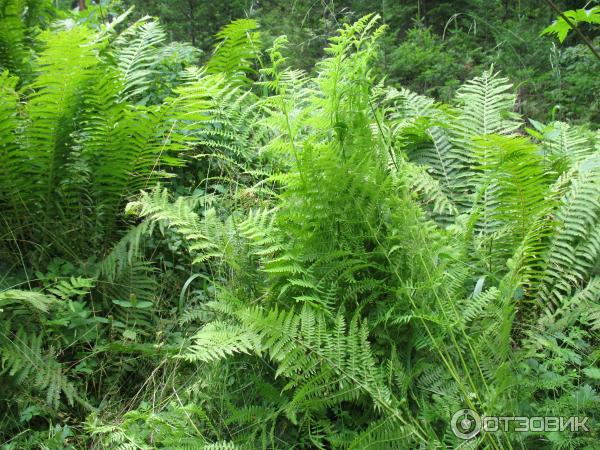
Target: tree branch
pixel 577 30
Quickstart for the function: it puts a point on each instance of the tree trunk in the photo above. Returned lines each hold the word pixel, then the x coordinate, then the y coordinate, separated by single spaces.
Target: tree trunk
pixel 192 21
pixel 82 5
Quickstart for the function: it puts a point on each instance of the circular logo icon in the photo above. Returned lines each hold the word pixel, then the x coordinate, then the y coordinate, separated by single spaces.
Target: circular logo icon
pixel 466 424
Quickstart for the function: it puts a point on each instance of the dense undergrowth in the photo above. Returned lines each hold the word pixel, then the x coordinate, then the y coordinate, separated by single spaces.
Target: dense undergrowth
pixel 241 255
pixel 430 46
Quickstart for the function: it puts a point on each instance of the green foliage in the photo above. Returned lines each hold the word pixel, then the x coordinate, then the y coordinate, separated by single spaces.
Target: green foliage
pixel 431 47
pixel 234 55
pixel 573 256
pixel 331 264
pixel 424 59
pixel 24 361
pixel 20 22
pixel 561 28
pixel 91 149
pixel 337 246
pixel 137 56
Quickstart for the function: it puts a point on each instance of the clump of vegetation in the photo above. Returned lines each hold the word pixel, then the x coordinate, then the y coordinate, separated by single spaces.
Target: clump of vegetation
pixel 242 254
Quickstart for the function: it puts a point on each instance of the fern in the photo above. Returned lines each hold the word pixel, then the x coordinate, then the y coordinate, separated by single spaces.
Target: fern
pixel 124 148
pixel 354 265
pixel 312 357
pixel 181 216
pixel 24 359
pixel 8 136
pixel 19 22
pixel 65 67
pixel 218 340
pixel 575 248
pixel 72 288
pixel 236 52
pixel 429 190
pixel 12 48
pixel 221 122
pixel 136 51
pixel 514 187
pixel 90 150
pixel 36 300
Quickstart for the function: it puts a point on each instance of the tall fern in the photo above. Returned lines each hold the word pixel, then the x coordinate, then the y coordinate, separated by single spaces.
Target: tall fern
pixel 238 48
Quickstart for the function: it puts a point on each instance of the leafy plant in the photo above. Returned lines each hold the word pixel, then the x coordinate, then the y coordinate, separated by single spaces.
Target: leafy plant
pixel 561 27
pixel 250 256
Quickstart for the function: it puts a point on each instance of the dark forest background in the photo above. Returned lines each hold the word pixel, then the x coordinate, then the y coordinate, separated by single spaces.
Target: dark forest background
pixel 431 47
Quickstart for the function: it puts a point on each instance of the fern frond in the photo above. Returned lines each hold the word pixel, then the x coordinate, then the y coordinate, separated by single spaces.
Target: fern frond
pixel 65 67
pixel 301 342
pixel 220 446
pixel 484 107
pixel 9 123
pixel 220 119
pixel 383 434
pixel 72 288
pixel 124 149
pixel 575 249
pixel 429 191
pixel 136 51
pixel 124 252
pixel 217 340
pixel 565 145
pixel 20 22
pixel 24 360
pixel 485 103
pixel 476 305
pixel 513 188
pixel 180 215
pixel 408 104
pixel 37 300
pixel 235 54
pixel 12 35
